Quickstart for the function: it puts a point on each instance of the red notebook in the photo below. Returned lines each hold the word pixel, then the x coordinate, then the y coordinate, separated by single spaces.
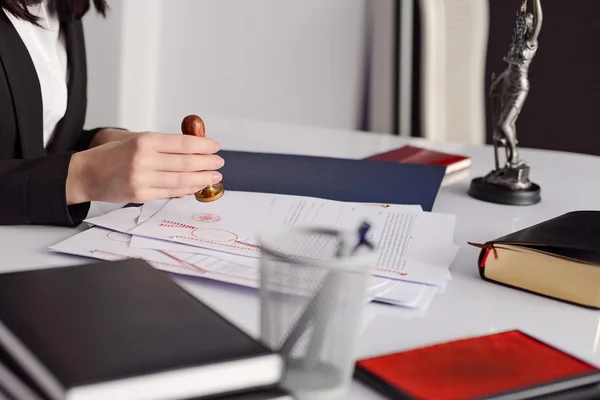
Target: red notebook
pixel 418 155
pixel 508 365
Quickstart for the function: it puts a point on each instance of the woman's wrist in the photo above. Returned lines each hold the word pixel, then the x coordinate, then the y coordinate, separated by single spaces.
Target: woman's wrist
pixel 110 135
pixel 76 188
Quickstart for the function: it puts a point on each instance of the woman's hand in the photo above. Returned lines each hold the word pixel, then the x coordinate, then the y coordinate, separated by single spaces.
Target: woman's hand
pixel 111 135
pixel 142 168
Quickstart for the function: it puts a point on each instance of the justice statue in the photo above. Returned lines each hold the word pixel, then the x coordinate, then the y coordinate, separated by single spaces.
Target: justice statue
pixel 510 184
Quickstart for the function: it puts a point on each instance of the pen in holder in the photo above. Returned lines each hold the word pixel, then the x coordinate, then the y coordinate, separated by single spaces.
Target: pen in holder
pixel 313 290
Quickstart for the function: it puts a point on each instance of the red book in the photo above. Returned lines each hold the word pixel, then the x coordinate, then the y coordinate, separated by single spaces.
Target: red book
pixel 508 365
pixel 418 155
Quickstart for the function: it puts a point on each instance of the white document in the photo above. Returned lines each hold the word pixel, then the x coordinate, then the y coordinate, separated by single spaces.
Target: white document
pixel 430 239
pixel 150 209
pixel 411 243
pixel 104 244
pixel 405 294
pixel 233 223
pixel 453 254
pixel 122 220
pixel 125 219
pixel 110 245
pixel 398 297
pixel 408 294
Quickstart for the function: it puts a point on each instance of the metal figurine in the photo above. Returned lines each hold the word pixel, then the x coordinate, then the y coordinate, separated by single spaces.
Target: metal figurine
pixel 510 184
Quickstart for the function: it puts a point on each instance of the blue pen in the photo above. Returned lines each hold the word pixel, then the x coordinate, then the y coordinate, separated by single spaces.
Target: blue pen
pixel 363 229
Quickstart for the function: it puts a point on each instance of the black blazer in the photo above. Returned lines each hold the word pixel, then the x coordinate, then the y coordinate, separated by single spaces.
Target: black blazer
pixel 33 179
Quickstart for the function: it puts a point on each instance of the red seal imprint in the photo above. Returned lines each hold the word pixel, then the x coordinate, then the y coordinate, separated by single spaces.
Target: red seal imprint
pixel 207 217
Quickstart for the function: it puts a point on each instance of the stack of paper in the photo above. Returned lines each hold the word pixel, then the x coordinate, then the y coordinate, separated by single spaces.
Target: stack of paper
pixel 218 240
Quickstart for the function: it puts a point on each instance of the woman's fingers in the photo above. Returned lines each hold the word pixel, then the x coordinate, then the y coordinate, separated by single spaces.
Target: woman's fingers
pixel 177 144
pixel 150 194
pixel 176 180
pixel 185 162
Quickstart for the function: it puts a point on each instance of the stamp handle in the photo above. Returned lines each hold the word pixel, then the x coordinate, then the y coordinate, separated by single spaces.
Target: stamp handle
pixel 193 125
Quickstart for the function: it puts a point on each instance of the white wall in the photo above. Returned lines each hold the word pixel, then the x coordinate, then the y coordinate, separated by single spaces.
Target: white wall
pixel 454 45
pixel 103 40
pixel 381 51
pixel 294 61
pixel 279 60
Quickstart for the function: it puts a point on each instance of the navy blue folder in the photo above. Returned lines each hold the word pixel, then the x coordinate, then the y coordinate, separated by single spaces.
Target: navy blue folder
pixel 332 178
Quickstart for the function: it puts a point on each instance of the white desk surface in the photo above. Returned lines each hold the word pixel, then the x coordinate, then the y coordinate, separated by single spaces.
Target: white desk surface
pixel 469 305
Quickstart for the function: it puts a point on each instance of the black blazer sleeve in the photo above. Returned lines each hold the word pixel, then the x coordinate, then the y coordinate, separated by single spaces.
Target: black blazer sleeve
pixel 33 178
pixel 34 192
pixel 85 138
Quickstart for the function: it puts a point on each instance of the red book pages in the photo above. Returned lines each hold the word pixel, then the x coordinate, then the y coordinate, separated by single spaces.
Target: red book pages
pixel 475 367
pixel 418 155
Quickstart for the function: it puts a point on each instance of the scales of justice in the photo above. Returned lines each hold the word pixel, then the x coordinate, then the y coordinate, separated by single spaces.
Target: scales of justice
pixel 510 184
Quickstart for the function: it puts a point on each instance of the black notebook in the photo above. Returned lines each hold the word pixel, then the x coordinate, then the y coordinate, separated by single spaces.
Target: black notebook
pixel 558 258
pixel 15 384
pixel 123 330
pixel 274 393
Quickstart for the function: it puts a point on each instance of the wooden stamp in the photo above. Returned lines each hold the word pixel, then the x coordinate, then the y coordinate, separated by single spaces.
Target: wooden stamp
pixel 193 125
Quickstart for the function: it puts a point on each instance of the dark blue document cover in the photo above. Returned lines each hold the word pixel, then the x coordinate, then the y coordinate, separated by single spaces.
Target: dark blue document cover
pixel 332 178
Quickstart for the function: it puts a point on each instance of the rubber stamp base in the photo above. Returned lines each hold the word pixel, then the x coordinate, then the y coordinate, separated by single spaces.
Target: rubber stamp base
pixel 210 193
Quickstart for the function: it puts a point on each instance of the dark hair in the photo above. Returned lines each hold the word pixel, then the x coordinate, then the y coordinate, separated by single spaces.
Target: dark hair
pixel 66 9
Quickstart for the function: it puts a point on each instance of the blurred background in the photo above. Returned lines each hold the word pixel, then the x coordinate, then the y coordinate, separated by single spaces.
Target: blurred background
pixel 399 67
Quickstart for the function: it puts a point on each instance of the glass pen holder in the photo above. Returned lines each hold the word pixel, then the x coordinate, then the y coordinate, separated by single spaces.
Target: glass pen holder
pixel 312 293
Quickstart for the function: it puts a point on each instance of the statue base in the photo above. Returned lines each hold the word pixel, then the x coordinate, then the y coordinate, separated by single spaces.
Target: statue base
pixel 508 185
